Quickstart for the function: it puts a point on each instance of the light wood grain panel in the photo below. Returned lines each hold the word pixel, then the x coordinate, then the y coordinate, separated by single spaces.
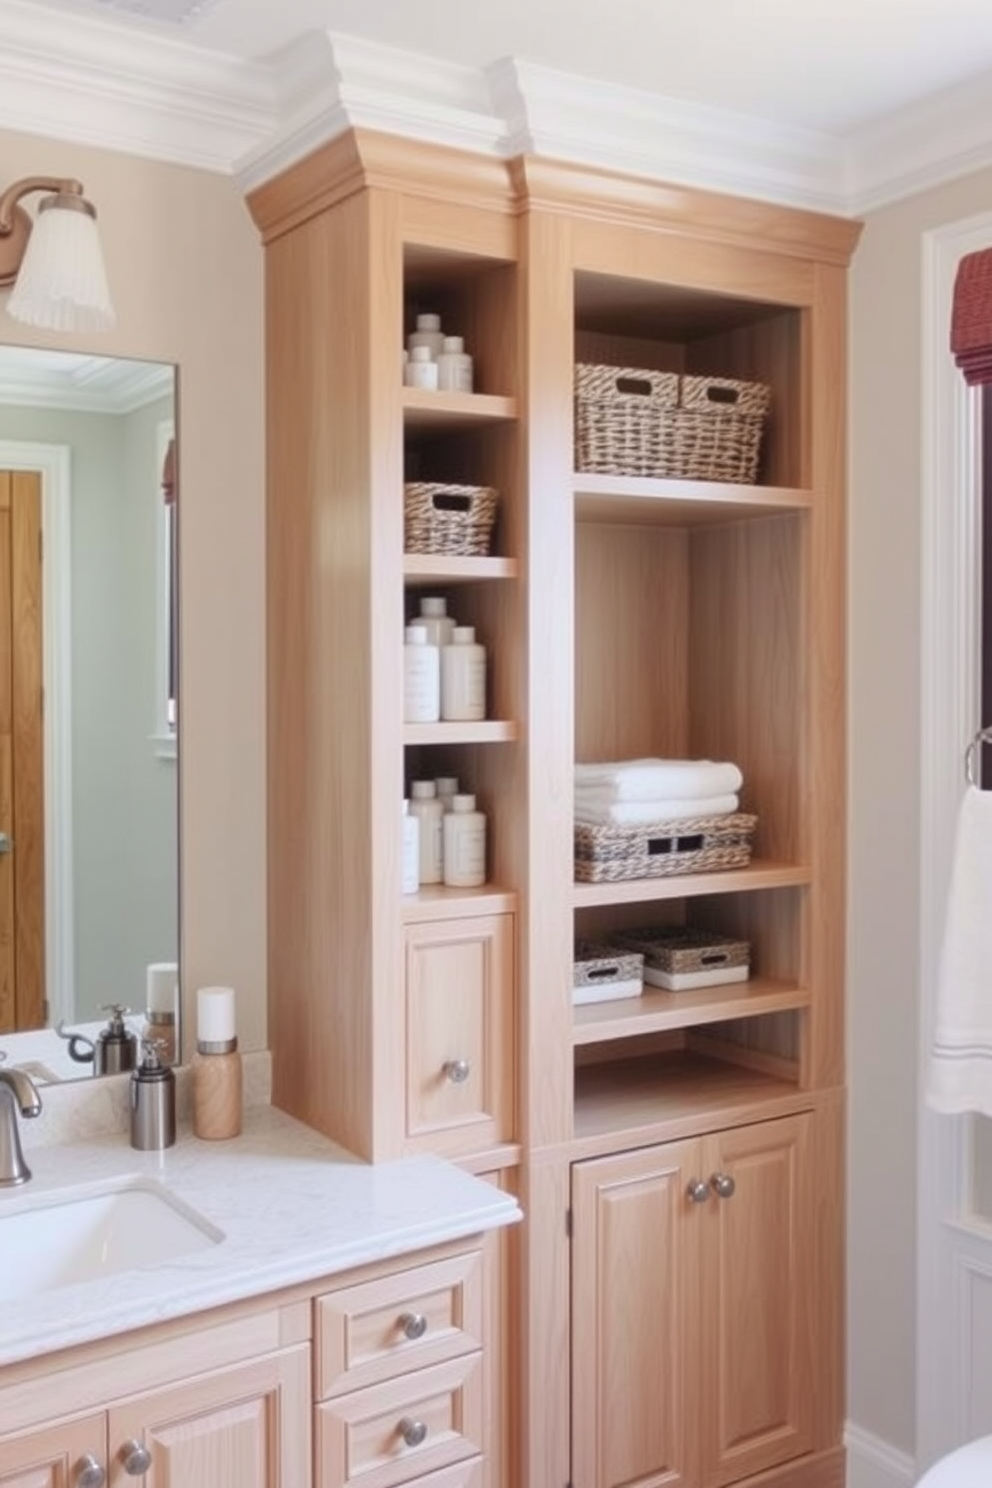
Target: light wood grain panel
pixel 543 1321
pixel 27 749
pixel 49 1458
pixel 829 1203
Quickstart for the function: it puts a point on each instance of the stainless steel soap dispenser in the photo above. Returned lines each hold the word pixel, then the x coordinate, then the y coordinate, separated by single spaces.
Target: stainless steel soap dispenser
pixel 153 1101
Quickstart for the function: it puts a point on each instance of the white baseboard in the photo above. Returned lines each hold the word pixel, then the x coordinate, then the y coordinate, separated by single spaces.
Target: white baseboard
pixel 873 1463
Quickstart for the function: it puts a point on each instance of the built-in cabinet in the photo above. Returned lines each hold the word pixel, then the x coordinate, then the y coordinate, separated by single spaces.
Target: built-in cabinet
pixel 674 1308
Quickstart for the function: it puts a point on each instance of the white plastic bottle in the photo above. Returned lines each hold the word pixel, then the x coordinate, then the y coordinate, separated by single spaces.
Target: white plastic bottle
pixel 421 370
pixel 454 366
pixel 428 333
pixel 425 806
pixel 421 678
pixel 410 860
pixel 447 790
pixel 464 845
pixel 434 617
pixel 463 677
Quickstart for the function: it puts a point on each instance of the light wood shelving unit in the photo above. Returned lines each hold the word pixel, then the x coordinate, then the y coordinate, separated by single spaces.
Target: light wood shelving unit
pixel 624 617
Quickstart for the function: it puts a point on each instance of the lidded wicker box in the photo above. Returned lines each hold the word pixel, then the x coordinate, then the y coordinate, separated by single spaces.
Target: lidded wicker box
pixel 631 421
pixel 679 957
pixel 604 973
pixel 701 844
pixel 453 520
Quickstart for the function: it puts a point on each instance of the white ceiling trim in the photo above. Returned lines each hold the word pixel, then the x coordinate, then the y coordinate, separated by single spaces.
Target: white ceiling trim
pixel 86 79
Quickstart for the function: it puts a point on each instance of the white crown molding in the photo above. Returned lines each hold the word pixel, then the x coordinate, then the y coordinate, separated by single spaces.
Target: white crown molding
pixel 30 378
pixel 109 84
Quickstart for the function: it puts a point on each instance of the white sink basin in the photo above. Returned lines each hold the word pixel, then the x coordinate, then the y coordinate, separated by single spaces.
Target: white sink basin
pixel 58 1241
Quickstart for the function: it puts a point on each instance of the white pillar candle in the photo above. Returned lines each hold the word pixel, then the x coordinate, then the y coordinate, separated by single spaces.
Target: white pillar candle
pixel 215 1022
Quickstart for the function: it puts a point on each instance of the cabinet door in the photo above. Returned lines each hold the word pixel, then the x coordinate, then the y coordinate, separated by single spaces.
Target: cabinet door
pixel 53 1456
pixel 759 1318
pixel 459 1034
pixel 635 1296
pixel 243 1427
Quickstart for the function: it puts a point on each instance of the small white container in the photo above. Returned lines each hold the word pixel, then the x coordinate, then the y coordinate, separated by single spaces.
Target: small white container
pixel 434 617
pixel 447 790
pixel 420 371
pixel 425 806
pixel 410 861
pixel 428 333
pixel 463 677
pixel 454 366
pixel 464 845
pixel 421 678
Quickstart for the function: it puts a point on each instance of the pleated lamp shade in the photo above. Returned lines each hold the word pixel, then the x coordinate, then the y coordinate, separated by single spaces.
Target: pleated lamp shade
pixel 62 283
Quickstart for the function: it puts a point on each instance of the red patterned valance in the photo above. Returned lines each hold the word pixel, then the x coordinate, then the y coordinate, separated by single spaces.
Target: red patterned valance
pixel 971 317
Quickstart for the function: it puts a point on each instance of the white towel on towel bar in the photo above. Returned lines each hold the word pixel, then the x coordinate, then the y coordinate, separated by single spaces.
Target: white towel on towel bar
pixel 960 1066
pixel 643 813
pixel 655 780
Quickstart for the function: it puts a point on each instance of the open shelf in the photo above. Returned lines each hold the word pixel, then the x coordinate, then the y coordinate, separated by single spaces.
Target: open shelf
pixel 656 1010
pixel 758 875
pixel 437 902
pixel 640 501
pixel 438 568
pixel 487 731
pixel 425 409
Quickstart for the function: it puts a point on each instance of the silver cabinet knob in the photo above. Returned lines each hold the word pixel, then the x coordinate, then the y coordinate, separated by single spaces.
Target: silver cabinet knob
pixel 90 1472
pixel 698 1190
pixel 414 1325
pixel 135 1459
pixel 722 1185
pixel 457 1071
pixel 413 1432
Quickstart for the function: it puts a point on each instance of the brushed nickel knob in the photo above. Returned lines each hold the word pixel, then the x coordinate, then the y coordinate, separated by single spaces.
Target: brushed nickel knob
pixel 135 1458
pixel 414 1325
pixel 722 1185
pixel 413 1432
pixel 698 1190
pixel 457 1071
pixel 90 1472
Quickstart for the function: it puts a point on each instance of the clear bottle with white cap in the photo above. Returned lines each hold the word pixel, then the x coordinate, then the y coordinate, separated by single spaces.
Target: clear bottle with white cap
pixel 421 677
pixel 463 677
pixel 464 845
pixel 426 807
pixel 421 370
pixel 454 366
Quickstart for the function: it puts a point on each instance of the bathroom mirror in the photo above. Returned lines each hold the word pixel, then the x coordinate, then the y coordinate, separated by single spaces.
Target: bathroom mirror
pixel 89 874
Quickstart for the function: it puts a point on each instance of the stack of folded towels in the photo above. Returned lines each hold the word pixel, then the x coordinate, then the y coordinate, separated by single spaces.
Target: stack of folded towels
pixel 634 793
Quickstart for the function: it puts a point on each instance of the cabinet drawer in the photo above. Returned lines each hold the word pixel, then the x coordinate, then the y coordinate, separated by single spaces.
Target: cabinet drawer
pixel 372 1332
pixel 459 1034
pixel 360 1436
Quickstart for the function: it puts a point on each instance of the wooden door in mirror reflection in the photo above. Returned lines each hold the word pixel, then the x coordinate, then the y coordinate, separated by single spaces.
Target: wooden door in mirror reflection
pixel 22 777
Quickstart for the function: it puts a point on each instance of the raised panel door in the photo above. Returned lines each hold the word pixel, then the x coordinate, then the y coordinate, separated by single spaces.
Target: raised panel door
pixel 635 1322
pixel 759 1318
pixel 243 1427
pixel 53 1456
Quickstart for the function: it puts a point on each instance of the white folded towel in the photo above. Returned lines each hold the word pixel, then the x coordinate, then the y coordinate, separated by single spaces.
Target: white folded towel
pixel 959 1077
pixel 642 813
pixel 656 780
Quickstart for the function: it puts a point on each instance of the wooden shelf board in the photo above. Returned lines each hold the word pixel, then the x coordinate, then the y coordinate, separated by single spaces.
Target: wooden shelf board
pixel 641 501
pixel 437 902
pixel 437 568
pixel 423 409
pixel 657 1010
pixel 757 875
pixel 664 1095
pixel 488 731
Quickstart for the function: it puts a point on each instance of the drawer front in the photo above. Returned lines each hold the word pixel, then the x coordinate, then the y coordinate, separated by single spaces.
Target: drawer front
pixel 459 1034
pixel 392 1434
pixel 369 1333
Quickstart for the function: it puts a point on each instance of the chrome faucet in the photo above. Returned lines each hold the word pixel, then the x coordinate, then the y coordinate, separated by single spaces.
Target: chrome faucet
pixel 17 1089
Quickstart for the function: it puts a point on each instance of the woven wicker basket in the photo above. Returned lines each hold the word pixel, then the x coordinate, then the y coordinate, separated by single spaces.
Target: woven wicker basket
pixel 453 520
pixel 602 966
pixel 634 422
pixel 678 948
pixel 702 844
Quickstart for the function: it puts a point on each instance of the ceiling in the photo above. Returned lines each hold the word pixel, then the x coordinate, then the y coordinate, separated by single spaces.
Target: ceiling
pixel 830 74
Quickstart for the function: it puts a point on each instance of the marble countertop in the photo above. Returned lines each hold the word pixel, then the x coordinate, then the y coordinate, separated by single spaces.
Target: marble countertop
pixel 290 1205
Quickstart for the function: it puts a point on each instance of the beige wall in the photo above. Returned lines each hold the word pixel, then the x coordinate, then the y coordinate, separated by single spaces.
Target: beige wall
pixel 186 272
pixel 884 802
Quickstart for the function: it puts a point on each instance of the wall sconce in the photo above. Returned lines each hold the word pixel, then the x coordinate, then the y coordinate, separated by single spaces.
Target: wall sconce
pixel 56 264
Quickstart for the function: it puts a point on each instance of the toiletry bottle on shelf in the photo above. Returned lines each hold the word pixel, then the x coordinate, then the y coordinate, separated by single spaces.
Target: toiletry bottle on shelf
pixel 447 790
pixel 426 807
pixel 421 370
pixel 454 366
pixel 161 998
pixel 463 677
pixel 434 617
pixel 153 1101
pixel 421 677
pixel 428 334
pixel 464 845
pixel 217 1072
pixel 410 861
